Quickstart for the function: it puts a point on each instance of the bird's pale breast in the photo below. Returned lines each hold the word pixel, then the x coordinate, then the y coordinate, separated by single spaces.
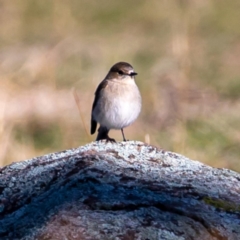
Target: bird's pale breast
pixel 119 105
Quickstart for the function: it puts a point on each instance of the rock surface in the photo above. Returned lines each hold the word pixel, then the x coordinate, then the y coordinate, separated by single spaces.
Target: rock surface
pixel 125 190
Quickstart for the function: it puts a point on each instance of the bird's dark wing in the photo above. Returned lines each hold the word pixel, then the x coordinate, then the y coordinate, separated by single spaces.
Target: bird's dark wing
pixel 93 125
pixel 101 86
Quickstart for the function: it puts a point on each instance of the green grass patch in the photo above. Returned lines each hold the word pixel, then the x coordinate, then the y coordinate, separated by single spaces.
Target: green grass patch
pixel 43 136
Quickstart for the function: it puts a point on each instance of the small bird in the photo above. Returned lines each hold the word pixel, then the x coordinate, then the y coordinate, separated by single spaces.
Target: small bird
pixel 117 101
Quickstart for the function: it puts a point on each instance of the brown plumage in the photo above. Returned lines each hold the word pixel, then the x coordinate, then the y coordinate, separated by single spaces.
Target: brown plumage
pixel 117 101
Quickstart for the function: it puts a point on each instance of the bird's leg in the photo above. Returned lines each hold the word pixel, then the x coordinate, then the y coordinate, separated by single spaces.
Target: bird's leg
pixel 103 134
pixel 124 139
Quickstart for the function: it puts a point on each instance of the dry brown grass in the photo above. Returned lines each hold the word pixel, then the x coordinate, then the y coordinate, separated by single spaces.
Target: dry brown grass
pixel 186 54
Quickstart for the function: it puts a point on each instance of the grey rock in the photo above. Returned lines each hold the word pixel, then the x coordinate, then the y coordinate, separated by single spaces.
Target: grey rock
pixel 125 190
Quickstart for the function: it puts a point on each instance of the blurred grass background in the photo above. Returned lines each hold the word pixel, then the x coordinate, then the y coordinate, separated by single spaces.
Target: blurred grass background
pixel 186 52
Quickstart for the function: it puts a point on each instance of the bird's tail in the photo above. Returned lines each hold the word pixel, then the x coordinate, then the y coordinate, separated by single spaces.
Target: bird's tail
pixel 102 133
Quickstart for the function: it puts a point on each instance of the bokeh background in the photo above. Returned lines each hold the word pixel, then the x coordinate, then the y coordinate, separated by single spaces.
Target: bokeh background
pixel 53 54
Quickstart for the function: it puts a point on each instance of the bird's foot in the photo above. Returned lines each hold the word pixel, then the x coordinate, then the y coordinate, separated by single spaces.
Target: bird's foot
pixel 107 139
pixel 112 140
pixel 103 135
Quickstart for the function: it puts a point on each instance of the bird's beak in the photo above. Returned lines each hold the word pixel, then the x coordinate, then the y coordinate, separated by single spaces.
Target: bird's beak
pixel 133 74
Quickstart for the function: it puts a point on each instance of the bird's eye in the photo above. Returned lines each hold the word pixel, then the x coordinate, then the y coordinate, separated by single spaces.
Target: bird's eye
pixel 120 72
